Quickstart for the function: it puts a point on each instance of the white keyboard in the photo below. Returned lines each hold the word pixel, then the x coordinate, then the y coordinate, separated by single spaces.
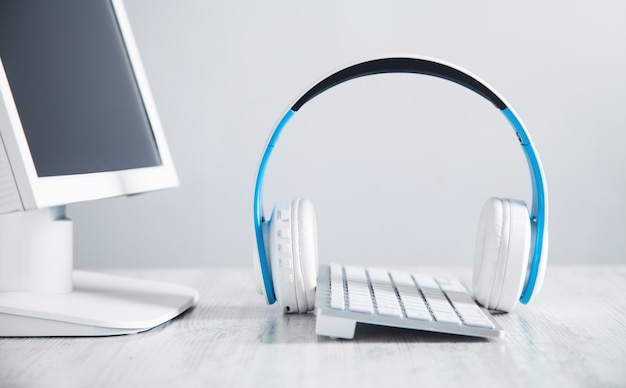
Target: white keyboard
pixel 347 295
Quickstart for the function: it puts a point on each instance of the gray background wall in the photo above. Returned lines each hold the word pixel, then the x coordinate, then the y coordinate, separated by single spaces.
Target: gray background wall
pixel 398 166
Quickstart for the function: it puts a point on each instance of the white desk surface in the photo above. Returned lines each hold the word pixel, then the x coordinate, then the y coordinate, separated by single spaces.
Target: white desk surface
pixel 574 334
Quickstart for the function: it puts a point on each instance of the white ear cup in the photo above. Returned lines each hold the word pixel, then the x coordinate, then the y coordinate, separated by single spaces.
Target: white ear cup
pixel 293 254
pixel 502 253
pixel 305 253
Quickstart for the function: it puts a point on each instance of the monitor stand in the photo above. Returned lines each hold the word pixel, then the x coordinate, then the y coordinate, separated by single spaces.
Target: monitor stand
pixel 41 294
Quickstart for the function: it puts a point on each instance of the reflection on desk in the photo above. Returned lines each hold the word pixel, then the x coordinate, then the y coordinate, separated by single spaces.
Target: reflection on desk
pixel 573 335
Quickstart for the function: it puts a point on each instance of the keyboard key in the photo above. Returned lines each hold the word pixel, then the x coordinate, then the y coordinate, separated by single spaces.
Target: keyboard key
pixel 447 317
pixel 356 274
pixel 418 313
pixel 402 278
pixel 387 305
pixel 337 300
pixel 473 315
pixel 378 276
pixel 337 290
pixel 425 281
pixel 362 306
pixel 392 311
pixel 336 271
pixel 478 321
pixel 337 303
pixel 358 289
pixel 451 285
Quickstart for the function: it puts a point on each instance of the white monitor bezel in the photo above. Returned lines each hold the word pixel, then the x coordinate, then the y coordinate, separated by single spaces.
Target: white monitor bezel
pixel 40 192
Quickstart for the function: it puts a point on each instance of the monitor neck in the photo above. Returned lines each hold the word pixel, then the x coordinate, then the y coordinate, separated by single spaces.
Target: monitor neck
pixel 36 251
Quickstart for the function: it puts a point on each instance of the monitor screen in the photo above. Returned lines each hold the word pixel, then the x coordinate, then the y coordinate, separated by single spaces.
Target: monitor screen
pixel 74 87
pixel 77 117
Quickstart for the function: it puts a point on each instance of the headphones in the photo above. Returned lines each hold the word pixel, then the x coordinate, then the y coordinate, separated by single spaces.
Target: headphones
pixel 512 242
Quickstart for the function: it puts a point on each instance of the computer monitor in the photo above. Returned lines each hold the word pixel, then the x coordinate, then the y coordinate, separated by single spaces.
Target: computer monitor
pixel 77 123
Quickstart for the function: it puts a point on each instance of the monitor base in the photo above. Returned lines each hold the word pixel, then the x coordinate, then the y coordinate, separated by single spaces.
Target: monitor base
pixel 98 305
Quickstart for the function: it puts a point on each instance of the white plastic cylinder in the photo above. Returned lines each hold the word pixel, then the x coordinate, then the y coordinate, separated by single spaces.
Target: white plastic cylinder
pixel 36 251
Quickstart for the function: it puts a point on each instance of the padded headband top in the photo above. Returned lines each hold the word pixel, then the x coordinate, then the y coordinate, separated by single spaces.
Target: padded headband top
pixel 401 65
pixel 538 211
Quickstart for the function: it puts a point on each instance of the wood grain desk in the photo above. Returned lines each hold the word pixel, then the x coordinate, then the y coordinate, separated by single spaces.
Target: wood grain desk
pixel 574 334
